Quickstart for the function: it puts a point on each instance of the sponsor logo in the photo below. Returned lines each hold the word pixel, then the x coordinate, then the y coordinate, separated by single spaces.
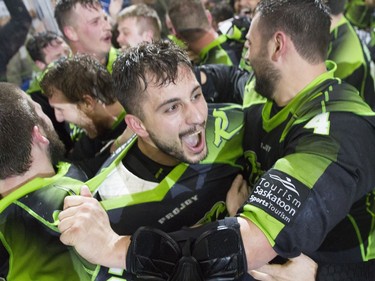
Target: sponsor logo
pixel 277 196
pixel 178 209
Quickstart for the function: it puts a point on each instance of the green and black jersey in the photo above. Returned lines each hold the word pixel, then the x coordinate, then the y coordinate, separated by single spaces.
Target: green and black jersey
pixel 312 165
pixel 178 196
pixel 182 195
pixel 29 235
pixel 90 154
pixel 352 59
pixel 218 52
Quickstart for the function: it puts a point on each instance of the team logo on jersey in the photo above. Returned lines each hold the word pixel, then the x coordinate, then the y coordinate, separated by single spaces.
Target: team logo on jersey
pixel 222 127
pixel 279 195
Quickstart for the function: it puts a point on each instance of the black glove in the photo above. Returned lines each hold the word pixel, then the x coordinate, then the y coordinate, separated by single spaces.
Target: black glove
pixel 210 252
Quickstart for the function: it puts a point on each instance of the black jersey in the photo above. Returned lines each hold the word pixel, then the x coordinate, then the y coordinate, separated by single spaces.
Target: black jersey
pixel 188 194
pixel 29 238
pixel 352 59
pixel 313 167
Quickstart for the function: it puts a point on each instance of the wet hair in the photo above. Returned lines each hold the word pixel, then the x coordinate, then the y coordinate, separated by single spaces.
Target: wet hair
pixel 64 8
pixel 337 6
pixel 78 76
pixel 154 63
pixel 307 22
pixel 188 18
pixel 17 120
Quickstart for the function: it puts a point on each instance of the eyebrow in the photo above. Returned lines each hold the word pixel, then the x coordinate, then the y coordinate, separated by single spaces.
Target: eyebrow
pixel 176 99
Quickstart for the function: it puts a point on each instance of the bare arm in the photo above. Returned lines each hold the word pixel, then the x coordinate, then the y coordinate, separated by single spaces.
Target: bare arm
pixel 85 225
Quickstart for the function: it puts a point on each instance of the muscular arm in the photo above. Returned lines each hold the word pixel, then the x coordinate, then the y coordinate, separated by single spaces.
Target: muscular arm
pixel 84 224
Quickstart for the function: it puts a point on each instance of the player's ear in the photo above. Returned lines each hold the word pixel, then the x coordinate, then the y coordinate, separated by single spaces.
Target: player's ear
pixel 88 104
pixel 70 33
pixel 279 44
pixel 39 136
pixel 136 125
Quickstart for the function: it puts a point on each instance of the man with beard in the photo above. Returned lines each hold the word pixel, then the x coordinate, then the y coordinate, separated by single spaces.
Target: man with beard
pixel 33 185
pixel 312 177
pixel 177 170
pixel 81 92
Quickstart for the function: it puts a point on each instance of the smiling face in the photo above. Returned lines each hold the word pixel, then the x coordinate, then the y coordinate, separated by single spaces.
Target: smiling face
pixel 130 34
pixel 72 113
pixel 90 31
pixel 175 118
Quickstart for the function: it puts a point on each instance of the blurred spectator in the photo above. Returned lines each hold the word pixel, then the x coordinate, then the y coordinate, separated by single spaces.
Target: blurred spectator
pixel 45 48
pixel 138 23
pixel 191 24
pixel 13 33
pixel 86 29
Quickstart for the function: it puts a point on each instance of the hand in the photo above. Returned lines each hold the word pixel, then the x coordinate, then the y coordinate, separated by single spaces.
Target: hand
pixel 237 195
pixel 85 225
pixel 114 8
pixel 301 268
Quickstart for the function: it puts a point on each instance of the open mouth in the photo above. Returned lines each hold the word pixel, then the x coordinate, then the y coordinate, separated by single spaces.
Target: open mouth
pixel 107 38
pixel 194 141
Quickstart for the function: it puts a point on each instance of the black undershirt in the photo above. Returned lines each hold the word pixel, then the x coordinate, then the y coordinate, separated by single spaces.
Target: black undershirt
pixel 143 167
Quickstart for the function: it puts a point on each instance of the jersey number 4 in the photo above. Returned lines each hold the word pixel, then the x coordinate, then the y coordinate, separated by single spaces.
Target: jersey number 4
pixel 320 124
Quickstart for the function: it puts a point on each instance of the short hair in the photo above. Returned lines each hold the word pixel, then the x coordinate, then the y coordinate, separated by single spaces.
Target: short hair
pixel 38 42
pixel 222 11
pixel 147 18
pixel 64 8
pixel 77 76
pixel 154 63
pixel 17 119
pixel 188 18
pixel 336 6
pixel 307 22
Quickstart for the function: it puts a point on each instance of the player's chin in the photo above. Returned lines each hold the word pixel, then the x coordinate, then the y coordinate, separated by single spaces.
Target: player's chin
pixel 196 157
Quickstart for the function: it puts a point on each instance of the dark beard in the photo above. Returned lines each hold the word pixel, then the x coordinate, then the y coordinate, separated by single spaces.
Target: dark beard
pixel 266 81
pixel 56 147
pixel 172 150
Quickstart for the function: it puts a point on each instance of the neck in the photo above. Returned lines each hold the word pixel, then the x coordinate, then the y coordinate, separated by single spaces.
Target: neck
pixel 41 169
pixel 302 76
pixel 102 58
pixel 335 20
pixel 108 114
pixel 198 45
pixel 156 154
